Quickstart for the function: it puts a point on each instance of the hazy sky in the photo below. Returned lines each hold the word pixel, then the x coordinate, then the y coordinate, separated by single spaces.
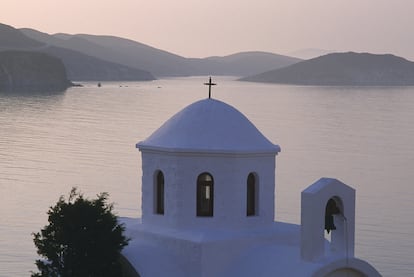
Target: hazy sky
pixel 200 28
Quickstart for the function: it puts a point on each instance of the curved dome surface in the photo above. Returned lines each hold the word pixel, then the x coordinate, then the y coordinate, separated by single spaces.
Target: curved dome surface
pixel 209 126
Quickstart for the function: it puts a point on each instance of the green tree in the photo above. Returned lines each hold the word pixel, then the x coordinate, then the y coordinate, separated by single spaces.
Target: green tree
pixel 83 238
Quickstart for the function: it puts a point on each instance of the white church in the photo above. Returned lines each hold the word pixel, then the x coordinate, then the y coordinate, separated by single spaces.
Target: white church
pixel 208 206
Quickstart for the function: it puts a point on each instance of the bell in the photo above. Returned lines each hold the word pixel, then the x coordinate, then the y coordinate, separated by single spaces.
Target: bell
pixel 330 210
pixel 329 223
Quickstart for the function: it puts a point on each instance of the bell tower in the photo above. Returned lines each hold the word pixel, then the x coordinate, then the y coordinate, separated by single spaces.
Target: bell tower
pixel 328 205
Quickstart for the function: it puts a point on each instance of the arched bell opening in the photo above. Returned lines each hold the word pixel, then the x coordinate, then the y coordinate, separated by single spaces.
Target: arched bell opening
pixel 335 224
pixel 333 207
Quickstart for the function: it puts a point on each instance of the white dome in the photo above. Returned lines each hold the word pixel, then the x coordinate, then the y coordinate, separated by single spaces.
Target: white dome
pixel 209 126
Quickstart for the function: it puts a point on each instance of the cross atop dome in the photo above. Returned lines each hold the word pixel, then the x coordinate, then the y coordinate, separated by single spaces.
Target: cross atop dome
pixel 209 84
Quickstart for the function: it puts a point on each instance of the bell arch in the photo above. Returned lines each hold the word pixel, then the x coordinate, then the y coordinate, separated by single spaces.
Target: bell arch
pixel 334 209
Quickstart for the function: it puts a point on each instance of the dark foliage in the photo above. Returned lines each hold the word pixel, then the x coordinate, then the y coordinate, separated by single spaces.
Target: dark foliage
pixel 83 238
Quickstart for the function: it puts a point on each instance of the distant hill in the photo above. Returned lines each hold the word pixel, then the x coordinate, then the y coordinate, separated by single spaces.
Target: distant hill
pixel 31 71
pixel 80 67
pixel 13 39
pixel 244 63
pixel 343 69
pixel 310 53
pixel 162 63
pixel 131 53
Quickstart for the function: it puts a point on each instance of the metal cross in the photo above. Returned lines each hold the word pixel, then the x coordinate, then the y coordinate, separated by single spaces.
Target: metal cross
pixel 209 84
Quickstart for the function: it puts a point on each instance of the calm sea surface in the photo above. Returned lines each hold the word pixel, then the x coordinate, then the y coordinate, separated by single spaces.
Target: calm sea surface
pixel 86 138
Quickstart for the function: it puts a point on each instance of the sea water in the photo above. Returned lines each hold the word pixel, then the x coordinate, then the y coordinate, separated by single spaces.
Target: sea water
pixel 85 137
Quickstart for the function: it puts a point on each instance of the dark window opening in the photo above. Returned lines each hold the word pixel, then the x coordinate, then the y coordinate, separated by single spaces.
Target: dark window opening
pixel 205 195
pixel 159 206
pixel 251 195
pixel 330 210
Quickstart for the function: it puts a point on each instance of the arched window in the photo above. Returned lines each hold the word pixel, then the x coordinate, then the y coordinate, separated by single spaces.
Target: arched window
pixel 205 195
pixel 159 193
pixel 251 195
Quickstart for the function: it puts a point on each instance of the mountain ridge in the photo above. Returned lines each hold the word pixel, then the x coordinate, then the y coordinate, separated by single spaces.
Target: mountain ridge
pixel 86 68
pixel 160 62
pixel 10 38
pixel 343 69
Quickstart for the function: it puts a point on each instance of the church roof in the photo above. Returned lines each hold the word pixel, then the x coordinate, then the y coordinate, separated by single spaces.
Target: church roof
pixel 209 126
